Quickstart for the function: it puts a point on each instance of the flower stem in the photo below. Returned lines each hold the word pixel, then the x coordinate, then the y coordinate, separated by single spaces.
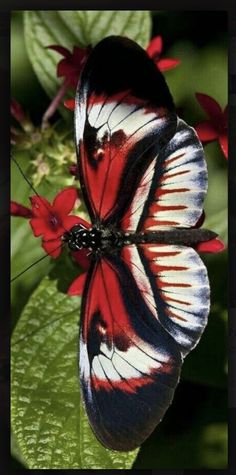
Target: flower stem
pixel 54 105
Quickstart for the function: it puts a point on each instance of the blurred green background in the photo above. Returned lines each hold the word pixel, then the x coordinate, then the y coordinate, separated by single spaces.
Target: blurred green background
pixel 193 433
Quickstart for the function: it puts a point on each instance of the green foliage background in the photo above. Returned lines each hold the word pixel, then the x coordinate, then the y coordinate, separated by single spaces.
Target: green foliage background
pixel 50 429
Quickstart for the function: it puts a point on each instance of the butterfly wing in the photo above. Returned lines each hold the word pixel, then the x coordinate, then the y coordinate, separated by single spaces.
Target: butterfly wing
pixel 170 194
pixel 124 115
pixel 144 308
pixel 171 191
pixel 174 284
pixel 129 364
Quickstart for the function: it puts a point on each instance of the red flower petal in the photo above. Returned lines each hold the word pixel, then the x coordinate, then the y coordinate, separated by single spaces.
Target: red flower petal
pixel 213 246
pixel 206 131
pixel 70 104
pixel 72 63
pixel 167 63
pixel 82 258
pixel 65 68
pixel 43 227
pixel 41 208
pixel 17 111
pixel 64 201
pixel 77 286
pixel 53 248
pixel 155 47
pixel 73 169
pixel 79 55
pixel 223 140
pixel 211 107
pixel 61 50
pixel 38 226
pixel 20 210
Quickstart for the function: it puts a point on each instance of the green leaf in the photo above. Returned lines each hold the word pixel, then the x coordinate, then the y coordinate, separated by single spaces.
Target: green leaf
pixel 81 28
pixel 49 424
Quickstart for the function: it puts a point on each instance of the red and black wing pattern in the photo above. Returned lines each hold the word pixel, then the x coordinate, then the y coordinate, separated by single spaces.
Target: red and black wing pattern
pixel 124 115
pixel 172 189
pixel 129 364
pixel 145 306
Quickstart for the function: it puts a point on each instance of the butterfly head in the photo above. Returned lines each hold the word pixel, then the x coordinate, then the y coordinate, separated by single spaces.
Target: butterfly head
pixel 96 239
pixel 80 237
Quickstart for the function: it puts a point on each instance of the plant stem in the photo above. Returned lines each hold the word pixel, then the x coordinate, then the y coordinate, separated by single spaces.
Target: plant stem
pixel 54 105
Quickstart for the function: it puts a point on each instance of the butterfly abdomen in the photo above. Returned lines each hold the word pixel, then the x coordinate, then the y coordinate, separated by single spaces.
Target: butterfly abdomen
pixel 109 239
pixel 180 236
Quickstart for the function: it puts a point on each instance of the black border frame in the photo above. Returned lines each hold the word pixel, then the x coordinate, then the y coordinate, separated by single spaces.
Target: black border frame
pixel 203 5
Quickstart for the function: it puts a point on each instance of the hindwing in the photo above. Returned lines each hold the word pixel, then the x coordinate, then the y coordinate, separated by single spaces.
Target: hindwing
pixel 129 364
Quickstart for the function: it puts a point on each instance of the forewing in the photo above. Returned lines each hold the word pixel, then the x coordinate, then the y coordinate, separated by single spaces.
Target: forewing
pixel 172 190
pixel 129 364
pixel 174 284
pixel 124 115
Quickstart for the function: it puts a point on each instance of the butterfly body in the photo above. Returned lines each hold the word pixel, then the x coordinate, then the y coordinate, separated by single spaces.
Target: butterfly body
pixel 104 239
pixel 146 298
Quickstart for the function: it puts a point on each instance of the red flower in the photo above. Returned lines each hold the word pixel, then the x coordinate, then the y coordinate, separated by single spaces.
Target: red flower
pixel 216 128
pixel 20 210
pixel 83 259
pixel 51 221
pixel 154 50
pixel 19 115
pixel 211 247
pixel 69 104
pixel 73 169
pixel 70 66
pixel 17 111
pixel 77 286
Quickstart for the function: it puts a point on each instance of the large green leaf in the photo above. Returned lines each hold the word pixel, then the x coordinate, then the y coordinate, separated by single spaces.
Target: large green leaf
pixel 49 424
pixel 76 28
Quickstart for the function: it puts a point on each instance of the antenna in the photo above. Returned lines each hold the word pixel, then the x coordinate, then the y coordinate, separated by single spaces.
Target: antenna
pixel 34 263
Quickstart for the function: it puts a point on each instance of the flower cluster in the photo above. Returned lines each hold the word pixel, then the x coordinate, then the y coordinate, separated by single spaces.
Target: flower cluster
pixel 70 66
pixel 155 49
pixel 50 152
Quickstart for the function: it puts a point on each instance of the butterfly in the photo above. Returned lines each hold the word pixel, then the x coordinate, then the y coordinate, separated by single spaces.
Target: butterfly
pixel 146 299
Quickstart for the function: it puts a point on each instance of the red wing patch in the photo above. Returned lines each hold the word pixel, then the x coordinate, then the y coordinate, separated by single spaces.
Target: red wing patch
pixel 109 146
pixel 126 364
pixel 118 122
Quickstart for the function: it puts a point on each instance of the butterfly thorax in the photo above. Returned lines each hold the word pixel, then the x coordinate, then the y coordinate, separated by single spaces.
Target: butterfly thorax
pixel 108 239
pixel 95 238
